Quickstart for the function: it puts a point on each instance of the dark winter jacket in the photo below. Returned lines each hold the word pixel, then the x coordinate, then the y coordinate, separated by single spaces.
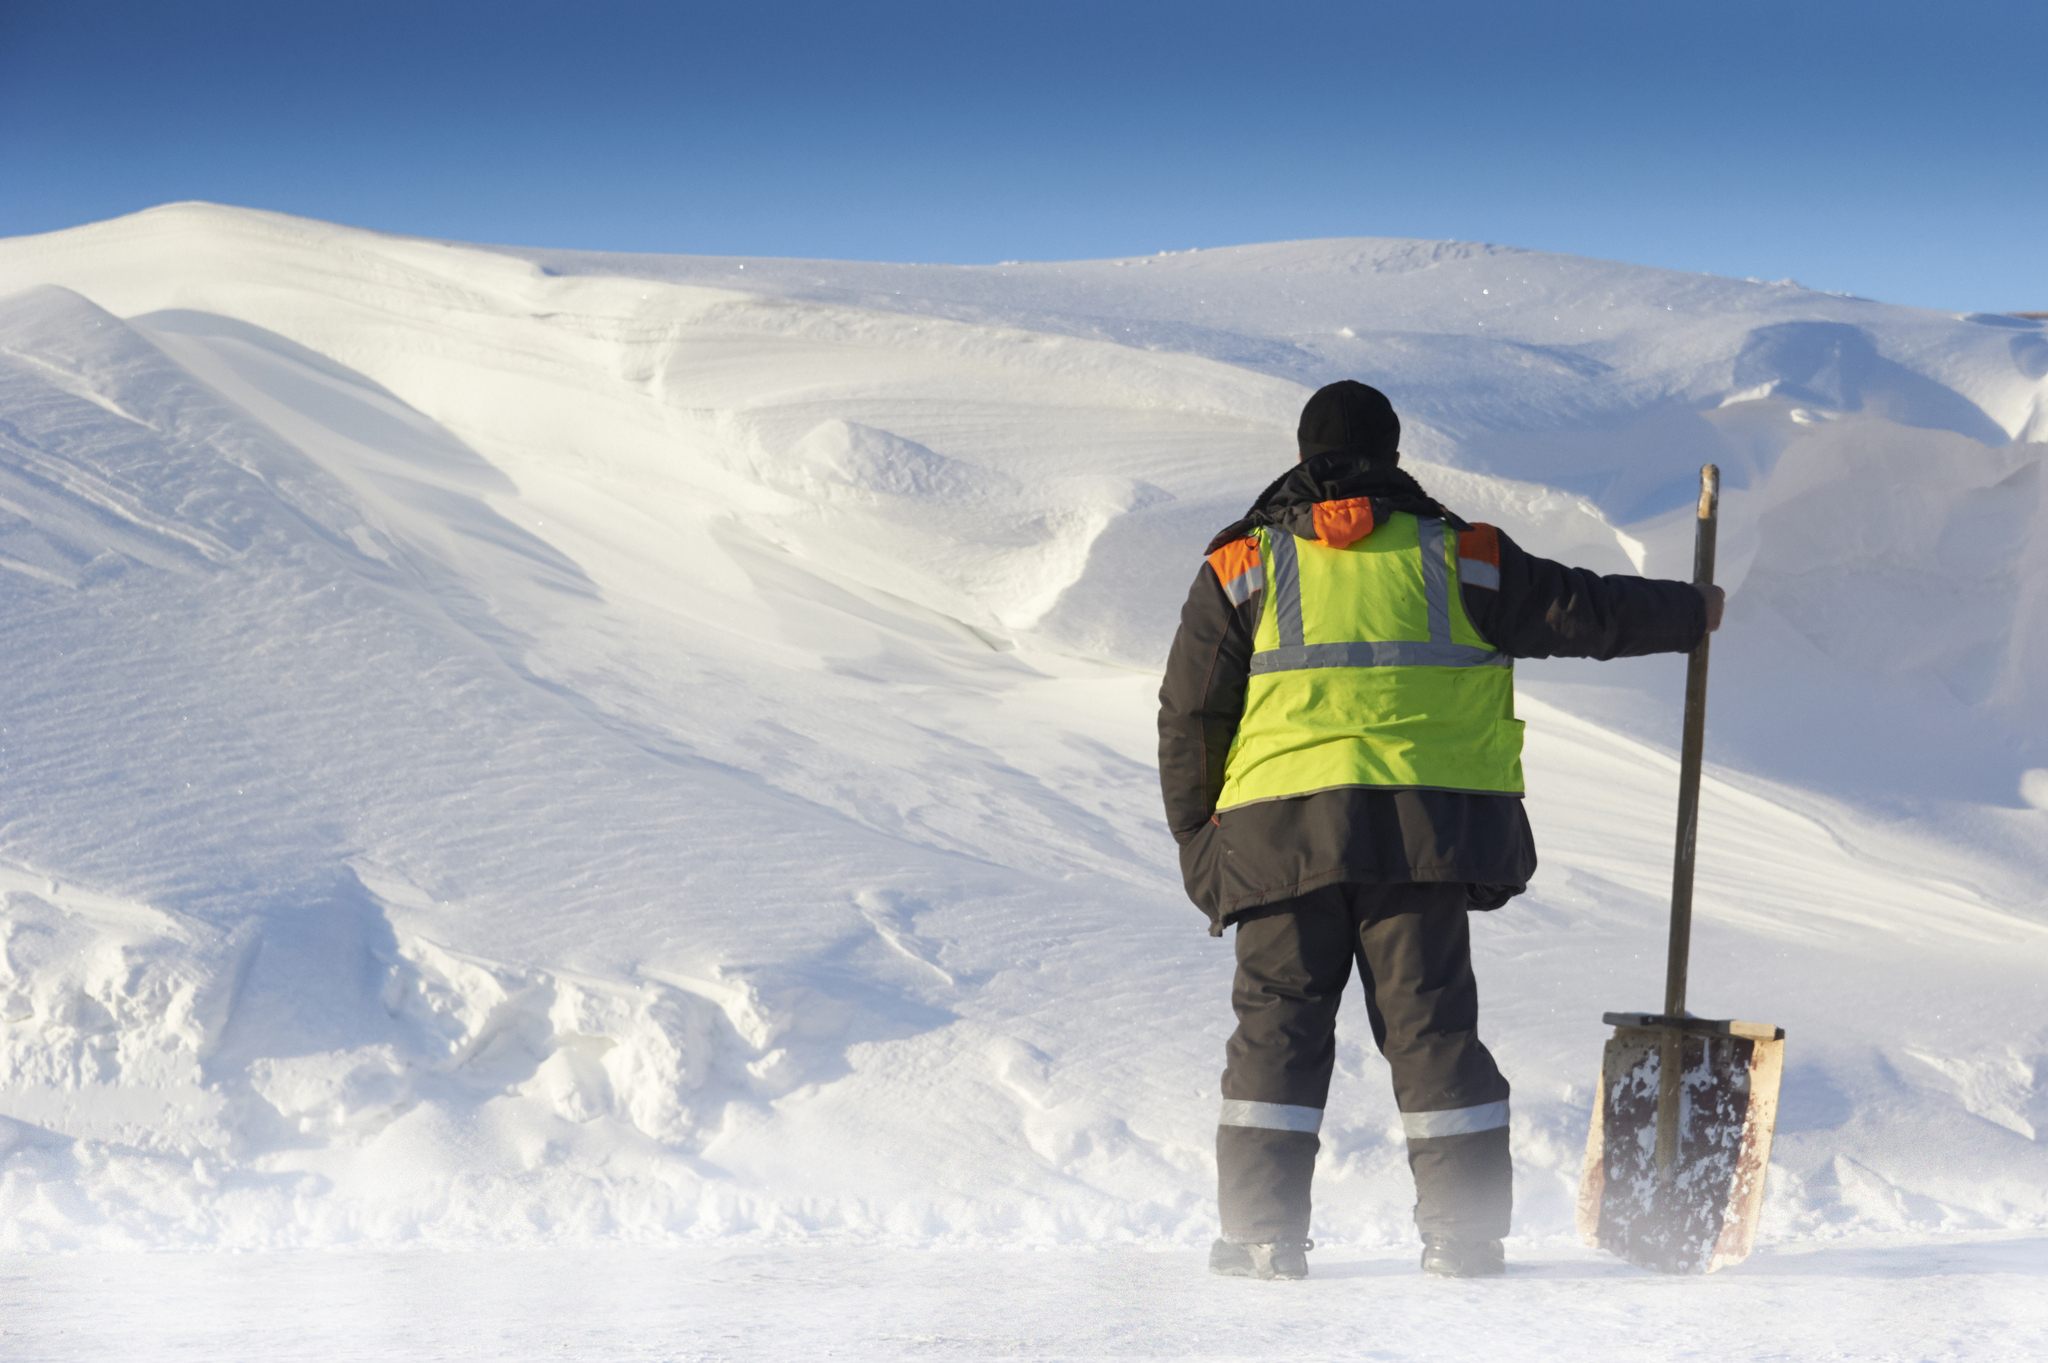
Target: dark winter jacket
pixel 1260 853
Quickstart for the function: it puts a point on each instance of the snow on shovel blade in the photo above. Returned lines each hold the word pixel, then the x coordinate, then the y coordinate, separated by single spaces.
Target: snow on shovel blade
pixel 1694 1210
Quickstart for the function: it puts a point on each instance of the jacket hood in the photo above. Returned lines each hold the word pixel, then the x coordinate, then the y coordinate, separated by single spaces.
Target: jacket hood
pixel 1336 497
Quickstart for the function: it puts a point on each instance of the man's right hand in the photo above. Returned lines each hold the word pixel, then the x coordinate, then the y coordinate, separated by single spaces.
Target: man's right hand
pixel 1716 599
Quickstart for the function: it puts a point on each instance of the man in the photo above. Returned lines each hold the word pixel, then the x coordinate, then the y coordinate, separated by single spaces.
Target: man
pixel 1342 770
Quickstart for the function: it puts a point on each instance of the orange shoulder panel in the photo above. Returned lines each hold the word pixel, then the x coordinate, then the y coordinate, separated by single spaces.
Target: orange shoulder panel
pixel 1234 560
pixel 1481 542
pixel 1344 522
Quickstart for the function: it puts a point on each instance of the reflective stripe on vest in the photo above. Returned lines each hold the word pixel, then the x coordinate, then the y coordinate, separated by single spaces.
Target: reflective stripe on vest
pixel 1365 671
pixel 1439 651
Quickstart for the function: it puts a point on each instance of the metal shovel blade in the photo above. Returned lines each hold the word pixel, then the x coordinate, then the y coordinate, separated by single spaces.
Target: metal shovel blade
pixel 1680 1195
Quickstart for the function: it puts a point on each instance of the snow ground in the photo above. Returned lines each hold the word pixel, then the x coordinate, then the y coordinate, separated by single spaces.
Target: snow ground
pixel 510 749
pixel 1871 1300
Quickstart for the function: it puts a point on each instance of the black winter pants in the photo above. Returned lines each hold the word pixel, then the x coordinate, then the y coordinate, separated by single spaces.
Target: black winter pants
pixel 1414 955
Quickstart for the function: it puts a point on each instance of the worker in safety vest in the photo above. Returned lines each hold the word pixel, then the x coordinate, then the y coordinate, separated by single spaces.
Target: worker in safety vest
pixel 1342 769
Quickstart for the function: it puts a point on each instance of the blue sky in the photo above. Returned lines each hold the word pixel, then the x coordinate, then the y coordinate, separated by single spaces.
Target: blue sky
pixel 1894 151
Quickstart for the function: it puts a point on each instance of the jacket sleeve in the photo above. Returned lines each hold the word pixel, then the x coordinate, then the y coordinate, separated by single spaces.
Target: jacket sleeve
pixel 1202 697
pixel 1534 608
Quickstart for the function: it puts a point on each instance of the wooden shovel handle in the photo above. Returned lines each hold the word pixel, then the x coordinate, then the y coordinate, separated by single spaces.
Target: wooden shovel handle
pixel 1689 756
pixel 1671 1047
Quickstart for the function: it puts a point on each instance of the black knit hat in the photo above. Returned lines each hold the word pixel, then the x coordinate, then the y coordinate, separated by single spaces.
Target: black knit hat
pixel 1349 417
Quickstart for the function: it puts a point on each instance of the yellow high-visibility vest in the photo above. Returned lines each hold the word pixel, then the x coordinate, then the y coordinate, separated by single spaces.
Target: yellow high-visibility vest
pixel 1365 671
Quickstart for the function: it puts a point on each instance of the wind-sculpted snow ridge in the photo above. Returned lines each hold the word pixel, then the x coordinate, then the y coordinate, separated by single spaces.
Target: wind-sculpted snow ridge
pixel 506 746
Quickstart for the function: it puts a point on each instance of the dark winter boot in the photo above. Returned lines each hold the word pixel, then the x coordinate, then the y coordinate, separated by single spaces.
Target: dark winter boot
pixel 1285 1259
pixel 1443 1258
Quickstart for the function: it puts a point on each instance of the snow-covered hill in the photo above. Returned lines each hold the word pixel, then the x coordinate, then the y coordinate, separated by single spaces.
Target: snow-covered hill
pixel 503 744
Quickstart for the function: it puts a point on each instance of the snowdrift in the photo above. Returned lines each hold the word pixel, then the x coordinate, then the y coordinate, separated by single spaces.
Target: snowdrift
pixel 506 744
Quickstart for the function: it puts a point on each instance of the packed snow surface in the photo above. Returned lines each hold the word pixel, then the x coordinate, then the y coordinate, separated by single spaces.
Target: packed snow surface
pixel 1910 1298
pixel 504 747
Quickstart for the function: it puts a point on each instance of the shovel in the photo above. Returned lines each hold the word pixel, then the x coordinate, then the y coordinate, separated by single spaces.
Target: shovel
pixel 1682 1129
